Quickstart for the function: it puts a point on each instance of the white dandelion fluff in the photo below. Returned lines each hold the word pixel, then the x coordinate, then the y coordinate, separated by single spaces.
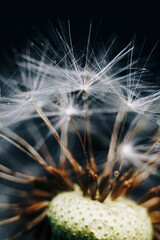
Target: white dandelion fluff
pixel 81 120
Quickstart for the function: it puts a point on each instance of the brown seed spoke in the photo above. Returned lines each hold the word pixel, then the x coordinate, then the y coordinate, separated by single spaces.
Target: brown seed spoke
pixel 111 158
pixel 157 235
pixel 14 173
pixel 153 204
pixel 61 178
pixel 157 226
pixel 93 186
pixel 77 168
pixel 142 176
pixel 14 178
pixel 105 187
pixel 10 220
pixel 34 208
pixel 29 226
pixel 90 182
pixel 155 216
pixel 15 206
pixel 117 188
pixel 41 193
pixel 153 192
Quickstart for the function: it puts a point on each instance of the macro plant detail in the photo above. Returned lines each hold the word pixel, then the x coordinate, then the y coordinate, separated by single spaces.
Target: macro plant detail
pixel 91 130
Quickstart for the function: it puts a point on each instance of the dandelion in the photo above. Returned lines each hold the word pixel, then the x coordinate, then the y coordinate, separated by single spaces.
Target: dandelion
pixel 82 138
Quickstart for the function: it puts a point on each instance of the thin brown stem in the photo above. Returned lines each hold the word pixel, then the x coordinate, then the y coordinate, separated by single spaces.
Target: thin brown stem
pixel 112 147
pixel 57 137
pixel 30 225
pixel 14 173
pixel 124 121
pixel 15 179
pixel 79 136
pixel 10 220
pixel 88 132
pixel 24 143
pixel 17 146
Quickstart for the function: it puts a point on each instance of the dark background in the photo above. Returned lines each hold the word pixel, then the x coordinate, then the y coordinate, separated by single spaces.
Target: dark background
pixel 19 19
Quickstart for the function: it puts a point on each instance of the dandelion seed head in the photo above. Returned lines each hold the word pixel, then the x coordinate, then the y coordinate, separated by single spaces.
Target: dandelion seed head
pixel 94 109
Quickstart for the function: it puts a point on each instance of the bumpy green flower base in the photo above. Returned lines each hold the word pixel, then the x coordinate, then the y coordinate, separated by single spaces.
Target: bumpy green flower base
pixel 74 217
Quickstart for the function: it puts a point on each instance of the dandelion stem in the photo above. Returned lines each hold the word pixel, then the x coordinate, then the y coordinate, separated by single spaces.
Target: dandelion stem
pixel 30 225
pixel 113 143
pixel 15 179
pixel 88 131
pixel 79 136
pixel 17 174
pixel 13 219
pixel 92 160
pixel 64 139
pixel 124 121
pixel 17 146
pixel 36 155
pixel 68 154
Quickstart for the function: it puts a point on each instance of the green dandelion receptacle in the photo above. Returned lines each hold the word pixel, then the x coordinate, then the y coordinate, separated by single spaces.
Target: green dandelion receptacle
pixel 73 216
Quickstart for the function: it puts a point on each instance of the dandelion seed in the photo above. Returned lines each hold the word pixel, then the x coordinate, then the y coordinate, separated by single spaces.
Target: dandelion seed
pixel 67 107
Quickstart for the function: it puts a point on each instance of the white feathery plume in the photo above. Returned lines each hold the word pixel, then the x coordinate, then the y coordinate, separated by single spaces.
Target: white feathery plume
pixel 109 90
pixel 68 89
pixel 62 108
pixel 94 78
pixel 137 146
pixel 125 101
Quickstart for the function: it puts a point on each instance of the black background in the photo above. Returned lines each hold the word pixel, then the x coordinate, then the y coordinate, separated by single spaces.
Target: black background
pixel 19 19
